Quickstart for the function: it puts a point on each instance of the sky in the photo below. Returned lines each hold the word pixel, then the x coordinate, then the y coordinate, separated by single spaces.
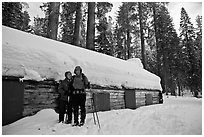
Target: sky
pixel 192 8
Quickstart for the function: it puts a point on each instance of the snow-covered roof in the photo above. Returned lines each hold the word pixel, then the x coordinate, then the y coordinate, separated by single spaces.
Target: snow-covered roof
pixel 37 58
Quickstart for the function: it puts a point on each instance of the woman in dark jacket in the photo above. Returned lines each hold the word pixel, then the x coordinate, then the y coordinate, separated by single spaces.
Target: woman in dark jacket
pixel 65 98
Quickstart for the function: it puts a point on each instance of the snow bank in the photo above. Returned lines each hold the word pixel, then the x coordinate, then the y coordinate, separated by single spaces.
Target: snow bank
pixel 177 116
pixel 37 58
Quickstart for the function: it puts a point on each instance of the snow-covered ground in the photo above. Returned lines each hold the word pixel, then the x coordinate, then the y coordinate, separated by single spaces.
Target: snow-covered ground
pixel 177 116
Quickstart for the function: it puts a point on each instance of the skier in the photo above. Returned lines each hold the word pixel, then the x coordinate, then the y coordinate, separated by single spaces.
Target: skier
pixel 79 84
pixel 65 105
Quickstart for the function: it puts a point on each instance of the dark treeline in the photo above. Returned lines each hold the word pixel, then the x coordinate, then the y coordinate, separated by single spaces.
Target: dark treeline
pixel 141 29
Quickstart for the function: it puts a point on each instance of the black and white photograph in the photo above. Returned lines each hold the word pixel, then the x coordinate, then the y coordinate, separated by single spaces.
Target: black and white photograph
pixel 101 68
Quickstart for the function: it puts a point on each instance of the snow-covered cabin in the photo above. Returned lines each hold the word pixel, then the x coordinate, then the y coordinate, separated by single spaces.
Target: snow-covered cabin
pixel 39 63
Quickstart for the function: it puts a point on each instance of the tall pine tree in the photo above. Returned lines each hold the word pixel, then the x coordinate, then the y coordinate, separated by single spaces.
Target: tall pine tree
pixel 53 20
pixel 187 36
pixel 103 40
pixel 141 22
pixel 198 43
pixel 39 26
pixel 90 26
pixel 126 21
pixel 77 27
pixel 13 16
pixel 167 43
pixel 67 22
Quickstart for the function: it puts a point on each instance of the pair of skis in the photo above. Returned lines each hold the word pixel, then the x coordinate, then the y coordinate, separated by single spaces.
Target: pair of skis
pixel 94 110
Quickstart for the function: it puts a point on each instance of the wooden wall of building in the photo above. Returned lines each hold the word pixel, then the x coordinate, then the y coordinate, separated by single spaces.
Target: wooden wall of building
pixel 115 99
pixel 143 98
pixel 42 95
pixel 38 96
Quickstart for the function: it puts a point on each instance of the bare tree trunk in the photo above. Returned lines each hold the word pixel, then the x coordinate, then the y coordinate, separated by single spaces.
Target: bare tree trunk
pixel 142 37
pixel 90 26
pixel 53 20
pixel 156 37
pixel 179 85
pixel 125 49
pixel 128 44
pixel 77 28
pixel 165 73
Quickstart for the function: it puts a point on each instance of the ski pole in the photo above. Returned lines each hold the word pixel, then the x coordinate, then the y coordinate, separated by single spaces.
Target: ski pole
pixel 66 112
pixel 93 110
pixel 96 111
pixel 98 120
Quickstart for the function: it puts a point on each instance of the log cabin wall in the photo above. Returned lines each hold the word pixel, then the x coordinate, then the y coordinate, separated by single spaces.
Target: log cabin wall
pixel 146 97
pixel 115 99
pixel 38 96
pixel 42 95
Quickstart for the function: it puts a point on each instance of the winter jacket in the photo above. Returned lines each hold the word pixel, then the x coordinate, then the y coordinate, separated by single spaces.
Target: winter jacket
pixel 64 89
pixel 80 81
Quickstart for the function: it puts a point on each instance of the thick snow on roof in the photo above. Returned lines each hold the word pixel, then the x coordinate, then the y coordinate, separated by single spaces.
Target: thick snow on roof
pixel 37 58
pixel 136 62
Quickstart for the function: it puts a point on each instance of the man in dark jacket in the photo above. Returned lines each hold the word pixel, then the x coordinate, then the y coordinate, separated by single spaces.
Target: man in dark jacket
pixel 79 84
pixel 65 98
